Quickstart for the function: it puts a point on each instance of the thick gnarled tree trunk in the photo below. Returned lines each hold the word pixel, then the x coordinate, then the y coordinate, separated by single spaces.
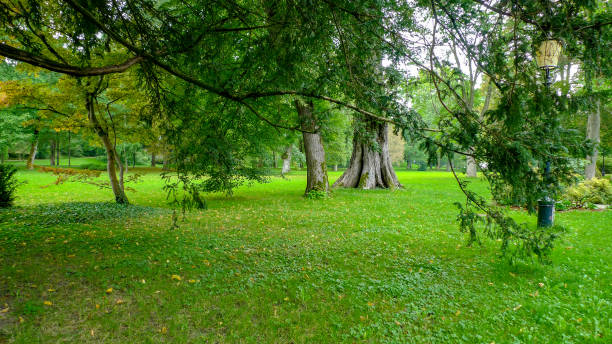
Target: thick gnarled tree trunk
pixel 316 173
pixel 593 128
pixel 370 168
pixel 111 154
pixel 33 150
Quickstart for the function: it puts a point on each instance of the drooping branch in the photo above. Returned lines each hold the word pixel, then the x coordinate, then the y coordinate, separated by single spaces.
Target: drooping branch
pixel 43 62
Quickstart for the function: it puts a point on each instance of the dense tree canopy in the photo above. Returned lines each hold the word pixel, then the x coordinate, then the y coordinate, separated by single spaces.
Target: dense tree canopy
pixel 218 80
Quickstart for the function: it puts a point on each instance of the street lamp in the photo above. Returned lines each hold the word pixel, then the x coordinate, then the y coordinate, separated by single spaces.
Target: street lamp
pixel 547 58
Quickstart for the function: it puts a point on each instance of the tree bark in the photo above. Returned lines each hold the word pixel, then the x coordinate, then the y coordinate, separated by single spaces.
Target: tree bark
pixel 593 127
pixel 316 173
pixel 111 153
pixel 52 155
pixel 57 148
pixel 69 138
pixel 370 168
pixel 33 150
pixel 335 167
pixel 153 160
pixel 471 169
pixel 286 161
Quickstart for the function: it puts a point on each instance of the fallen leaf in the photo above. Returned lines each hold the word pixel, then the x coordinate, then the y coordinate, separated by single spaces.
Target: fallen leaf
pixel 47 303
pixel 109 290
pixel 163 330
pixel 176 277
pixel 517 307
pixel 457 313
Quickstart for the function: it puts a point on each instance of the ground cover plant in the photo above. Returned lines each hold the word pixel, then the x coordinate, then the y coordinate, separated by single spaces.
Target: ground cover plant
pixel 269 265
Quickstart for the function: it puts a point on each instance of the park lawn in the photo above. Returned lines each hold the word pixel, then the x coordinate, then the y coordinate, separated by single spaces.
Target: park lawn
pixel 270 266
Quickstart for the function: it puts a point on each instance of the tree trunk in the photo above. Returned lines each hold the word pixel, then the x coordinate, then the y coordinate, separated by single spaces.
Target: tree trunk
pixel 111 154
pixel 57 148
pixel 593 127
pixel 153 160
pixel 286 161
pixel 316 173
pixel 448 166
pixel 370 168
pixel 471 168
pixel 335 167
pixel 274 163
pixel 69 136
pixel 33 150
pixel 52 155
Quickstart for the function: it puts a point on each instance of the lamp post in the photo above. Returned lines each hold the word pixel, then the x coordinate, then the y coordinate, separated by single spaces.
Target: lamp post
pixel 547 58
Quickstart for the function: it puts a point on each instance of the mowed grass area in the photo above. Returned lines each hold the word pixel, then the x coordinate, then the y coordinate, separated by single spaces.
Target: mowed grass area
pixel 269 266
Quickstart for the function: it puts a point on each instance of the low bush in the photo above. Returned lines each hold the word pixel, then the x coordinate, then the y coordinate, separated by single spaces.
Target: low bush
pixel 8 185
pixel 588 192
pixel 93 166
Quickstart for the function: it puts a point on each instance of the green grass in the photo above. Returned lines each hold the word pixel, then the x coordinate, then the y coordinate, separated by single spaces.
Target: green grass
pixel 269 266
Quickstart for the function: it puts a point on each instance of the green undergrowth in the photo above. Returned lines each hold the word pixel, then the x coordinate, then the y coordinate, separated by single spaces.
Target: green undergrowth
pixel 269 265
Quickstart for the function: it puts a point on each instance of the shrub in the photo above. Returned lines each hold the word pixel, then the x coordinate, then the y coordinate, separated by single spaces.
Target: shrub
pixel 594 191
pixel 8 185
pixel 93 166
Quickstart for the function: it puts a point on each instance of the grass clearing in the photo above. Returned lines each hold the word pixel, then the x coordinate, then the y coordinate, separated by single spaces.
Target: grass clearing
pixel 268 265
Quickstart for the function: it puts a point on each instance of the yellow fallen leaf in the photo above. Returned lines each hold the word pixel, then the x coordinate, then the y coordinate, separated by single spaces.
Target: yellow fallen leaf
pixel 579 320
pixel 163 330
pixel 119 302
pixel 517 307
pixel 21 320
pixel 286 299
pixel 4 310
pixel 176 277
pixel 457 313
pixel 109 290
pixel 97 306
pixel 50 290
pixel 47 303
pixel 370 303
pixel 191 281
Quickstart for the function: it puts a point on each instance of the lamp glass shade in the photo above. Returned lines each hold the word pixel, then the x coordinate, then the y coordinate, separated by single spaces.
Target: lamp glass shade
pixel 548 54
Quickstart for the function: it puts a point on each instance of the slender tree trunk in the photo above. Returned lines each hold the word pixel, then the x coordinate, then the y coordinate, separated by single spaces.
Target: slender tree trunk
pixel 57 148
pixel 286 161
pixel 126 164
pixel 335 167
pixel 52 155
pixel 33 150
pixel 153 160
pixel 316 174
pixel 274 162
pixel 69 137
pixel 370 168
pixel 448 166
pixel 593 127
pixel 111 153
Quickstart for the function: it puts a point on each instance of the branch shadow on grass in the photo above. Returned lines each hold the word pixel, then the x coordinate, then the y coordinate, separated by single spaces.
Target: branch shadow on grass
pixel 52 214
